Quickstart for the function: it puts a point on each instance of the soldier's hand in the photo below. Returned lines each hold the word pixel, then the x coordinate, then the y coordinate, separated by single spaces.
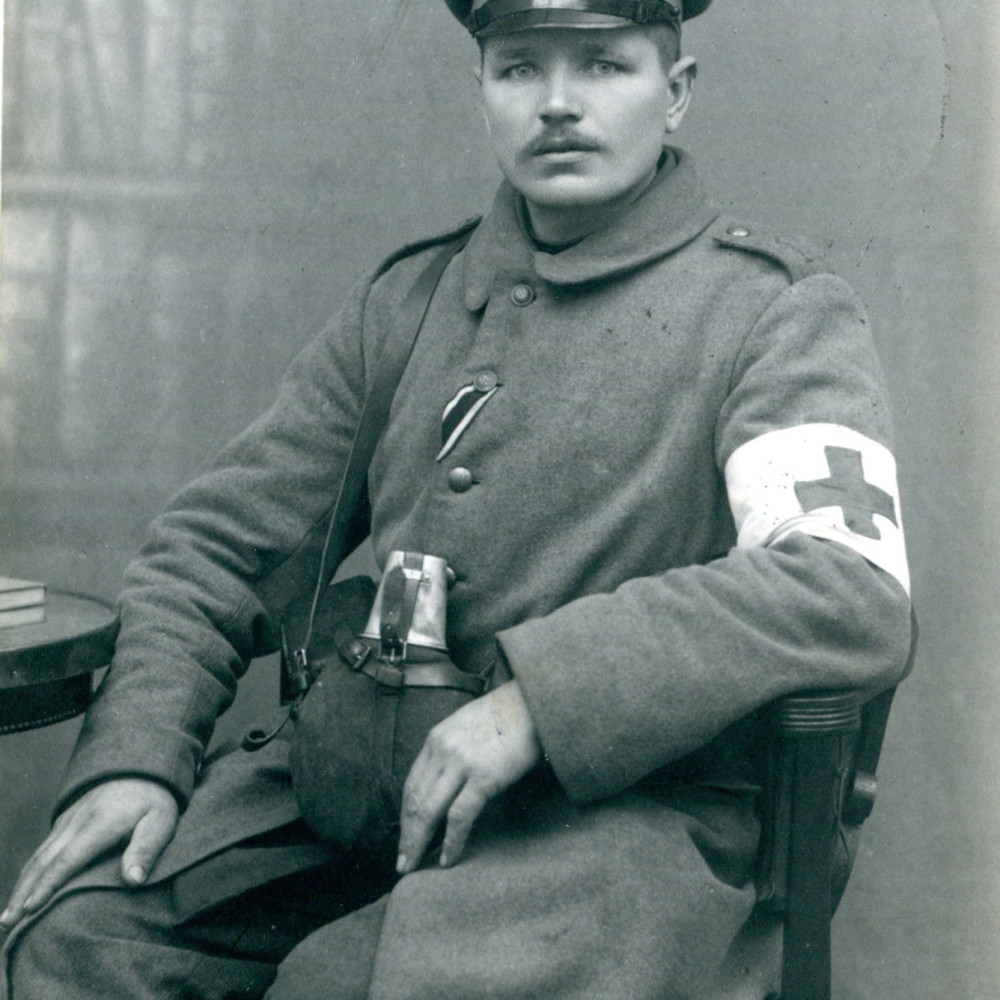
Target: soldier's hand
pixel 135 811
pixel 467 759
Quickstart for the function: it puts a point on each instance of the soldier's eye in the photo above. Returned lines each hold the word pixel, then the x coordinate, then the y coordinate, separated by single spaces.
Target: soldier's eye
pixel 520 71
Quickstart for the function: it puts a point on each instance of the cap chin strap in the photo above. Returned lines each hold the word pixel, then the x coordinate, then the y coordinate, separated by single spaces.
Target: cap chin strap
pixel 638 11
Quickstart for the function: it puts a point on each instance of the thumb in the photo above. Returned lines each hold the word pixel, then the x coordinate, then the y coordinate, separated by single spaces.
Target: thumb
pixel 151 835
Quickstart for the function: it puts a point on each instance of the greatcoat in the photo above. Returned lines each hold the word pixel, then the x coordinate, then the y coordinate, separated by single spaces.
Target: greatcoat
pixel 677 504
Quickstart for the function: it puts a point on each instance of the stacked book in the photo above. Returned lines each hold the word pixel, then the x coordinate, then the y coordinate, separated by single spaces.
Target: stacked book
pixel 21 602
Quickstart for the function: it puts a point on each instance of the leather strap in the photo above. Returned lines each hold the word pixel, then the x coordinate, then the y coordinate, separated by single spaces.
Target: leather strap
pixel 361 654
pixel 399 600
pixel 423 675
pixel 389 370
pixel 385 717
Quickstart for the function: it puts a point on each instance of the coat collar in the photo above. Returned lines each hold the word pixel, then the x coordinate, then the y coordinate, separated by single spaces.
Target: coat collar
pixel 670 213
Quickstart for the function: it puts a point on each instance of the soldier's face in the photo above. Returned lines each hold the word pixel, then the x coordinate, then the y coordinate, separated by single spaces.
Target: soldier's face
pixel 578 117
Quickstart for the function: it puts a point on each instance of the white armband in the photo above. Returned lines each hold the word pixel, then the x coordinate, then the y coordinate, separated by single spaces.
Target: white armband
pixel 823 480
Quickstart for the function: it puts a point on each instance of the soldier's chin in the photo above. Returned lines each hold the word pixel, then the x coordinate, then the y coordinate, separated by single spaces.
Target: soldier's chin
pixel 569 191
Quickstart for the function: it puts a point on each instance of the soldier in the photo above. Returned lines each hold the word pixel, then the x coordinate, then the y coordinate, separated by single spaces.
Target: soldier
pixel 652 445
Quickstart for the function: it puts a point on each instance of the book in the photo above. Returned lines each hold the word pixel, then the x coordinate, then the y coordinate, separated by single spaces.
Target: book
pixel 16 593
pixel 12 617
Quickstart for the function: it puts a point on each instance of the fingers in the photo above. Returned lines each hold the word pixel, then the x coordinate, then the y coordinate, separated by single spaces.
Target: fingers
pixel 464 811
pixel 450 796
pixel 98 821
pixel 152 834
pixel 429 790
pixel 467 759
pixel 60 856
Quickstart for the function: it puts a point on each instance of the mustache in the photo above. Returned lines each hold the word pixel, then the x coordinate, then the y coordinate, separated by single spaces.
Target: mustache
pixel 561 141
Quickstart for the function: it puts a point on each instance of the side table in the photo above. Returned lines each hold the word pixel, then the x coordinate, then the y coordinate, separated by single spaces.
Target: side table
pixel 46 669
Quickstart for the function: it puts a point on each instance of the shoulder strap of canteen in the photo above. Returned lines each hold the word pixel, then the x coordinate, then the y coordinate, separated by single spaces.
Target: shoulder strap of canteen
pixel 375 413
pixel 296 675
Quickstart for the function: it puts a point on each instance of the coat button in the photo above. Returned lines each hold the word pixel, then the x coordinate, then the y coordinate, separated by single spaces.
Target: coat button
pixel 485 381
pixel 738 232
pixel 459 479
pixel 522 295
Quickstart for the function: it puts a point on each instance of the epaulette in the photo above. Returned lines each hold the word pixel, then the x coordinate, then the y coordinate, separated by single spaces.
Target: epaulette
pixel 796 256
pixel 414 248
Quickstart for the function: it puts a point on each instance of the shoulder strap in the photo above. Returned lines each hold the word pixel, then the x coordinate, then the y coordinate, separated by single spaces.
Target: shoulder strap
pixel 389 370
pixel 796 256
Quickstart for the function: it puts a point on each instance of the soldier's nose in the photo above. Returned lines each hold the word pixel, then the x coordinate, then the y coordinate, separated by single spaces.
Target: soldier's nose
pixel 559 100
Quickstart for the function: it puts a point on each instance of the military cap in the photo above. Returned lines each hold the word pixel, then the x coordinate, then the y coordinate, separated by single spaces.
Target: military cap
pixel 486 17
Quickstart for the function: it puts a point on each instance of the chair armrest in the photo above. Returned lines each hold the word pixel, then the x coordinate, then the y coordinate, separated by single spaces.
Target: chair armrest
pixel 823 751
pixel 811 760
pixel 812 751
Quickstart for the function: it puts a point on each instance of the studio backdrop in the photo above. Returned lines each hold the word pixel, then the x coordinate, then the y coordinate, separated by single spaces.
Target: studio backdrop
pixel 190 186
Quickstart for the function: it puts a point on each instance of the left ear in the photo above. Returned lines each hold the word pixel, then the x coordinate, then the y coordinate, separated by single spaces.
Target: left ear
pixel 681 79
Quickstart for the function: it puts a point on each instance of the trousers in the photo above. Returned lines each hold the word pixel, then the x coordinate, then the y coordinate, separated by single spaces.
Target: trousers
pixel 111 943
pixel 648 897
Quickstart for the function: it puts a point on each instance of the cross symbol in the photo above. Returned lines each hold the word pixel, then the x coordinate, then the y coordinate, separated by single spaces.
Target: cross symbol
pixel 847 488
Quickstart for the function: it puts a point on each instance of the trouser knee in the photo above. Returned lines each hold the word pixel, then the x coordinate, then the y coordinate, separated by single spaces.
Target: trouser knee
pixel 57 948
pixel 93 943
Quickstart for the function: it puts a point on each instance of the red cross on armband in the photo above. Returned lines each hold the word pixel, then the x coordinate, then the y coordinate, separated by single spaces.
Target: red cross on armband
pixel 847 489
pixel 823 480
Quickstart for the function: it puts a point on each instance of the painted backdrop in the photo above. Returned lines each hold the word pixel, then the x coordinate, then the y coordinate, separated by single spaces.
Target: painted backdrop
pixel 189 187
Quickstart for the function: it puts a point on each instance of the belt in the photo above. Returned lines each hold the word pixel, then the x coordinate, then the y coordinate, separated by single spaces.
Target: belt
pixel 443 674
pixel 359 654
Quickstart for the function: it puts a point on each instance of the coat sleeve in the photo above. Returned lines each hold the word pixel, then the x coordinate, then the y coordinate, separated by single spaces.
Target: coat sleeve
pixel 222 563
pixel 813 595
pixel 214 571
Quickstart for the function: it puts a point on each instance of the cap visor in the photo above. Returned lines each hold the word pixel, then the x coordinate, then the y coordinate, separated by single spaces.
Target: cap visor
pixel 527 20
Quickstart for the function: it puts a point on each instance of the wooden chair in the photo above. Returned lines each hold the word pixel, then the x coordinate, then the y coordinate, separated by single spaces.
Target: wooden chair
pixel 824 751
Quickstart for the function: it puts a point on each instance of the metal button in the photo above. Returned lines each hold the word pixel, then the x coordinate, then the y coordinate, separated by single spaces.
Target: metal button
pixel 738 232
pixel 522 295
pixel 460 479
pixel 485 381
pixel 449 577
